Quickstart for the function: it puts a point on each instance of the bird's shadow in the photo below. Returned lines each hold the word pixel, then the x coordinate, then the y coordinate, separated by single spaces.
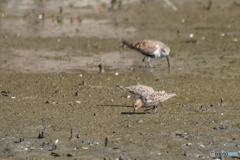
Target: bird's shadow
pixel 145 111
pixel 135 113
pixel 116 105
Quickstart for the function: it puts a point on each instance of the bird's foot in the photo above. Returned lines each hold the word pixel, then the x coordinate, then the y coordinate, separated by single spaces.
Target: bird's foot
pixel 150 65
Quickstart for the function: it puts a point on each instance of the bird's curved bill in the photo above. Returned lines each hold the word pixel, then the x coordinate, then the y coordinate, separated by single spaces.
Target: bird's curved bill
pixel 168 61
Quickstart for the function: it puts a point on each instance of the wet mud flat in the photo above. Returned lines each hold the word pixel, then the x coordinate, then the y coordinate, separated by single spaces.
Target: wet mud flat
pixel 50 81
pixel 191 124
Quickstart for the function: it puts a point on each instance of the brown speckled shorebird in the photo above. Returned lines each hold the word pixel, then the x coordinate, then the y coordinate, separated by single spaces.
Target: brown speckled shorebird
pixel 150 48
pixel 147 96
pixel 152 99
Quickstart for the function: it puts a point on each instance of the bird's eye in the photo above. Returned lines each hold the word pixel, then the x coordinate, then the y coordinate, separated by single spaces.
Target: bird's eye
pixel 163 50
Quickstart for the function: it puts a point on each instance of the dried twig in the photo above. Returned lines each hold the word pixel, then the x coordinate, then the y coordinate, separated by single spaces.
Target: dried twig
pixel 236 3
pixel 209 4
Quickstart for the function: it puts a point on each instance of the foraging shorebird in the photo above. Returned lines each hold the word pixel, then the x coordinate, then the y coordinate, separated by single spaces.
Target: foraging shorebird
pixel 147 96
pixel 152 99
pixel 150 49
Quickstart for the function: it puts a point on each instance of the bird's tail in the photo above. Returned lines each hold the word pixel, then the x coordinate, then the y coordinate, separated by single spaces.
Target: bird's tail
pixel 170 95
pixel 124 88
pixel 129 44
pixel 121 87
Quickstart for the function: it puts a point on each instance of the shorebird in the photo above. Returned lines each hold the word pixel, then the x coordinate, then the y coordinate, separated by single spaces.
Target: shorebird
pixel 152 99
pixel 150 49
pixel 147 96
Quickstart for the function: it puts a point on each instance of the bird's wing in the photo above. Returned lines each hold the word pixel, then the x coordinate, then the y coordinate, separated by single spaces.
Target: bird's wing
pixel 146 47
pixel 163 96
pixel 138 89
pixel 158 97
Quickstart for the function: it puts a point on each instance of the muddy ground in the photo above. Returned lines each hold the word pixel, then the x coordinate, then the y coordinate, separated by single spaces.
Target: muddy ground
pixel 50 80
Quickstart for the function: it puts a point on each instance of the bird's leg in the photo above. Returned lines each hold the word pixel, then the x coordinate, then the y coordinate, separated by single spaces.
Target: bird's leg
pixel 143 61
pixel 149 62
pixel 156 107
pixel 161 103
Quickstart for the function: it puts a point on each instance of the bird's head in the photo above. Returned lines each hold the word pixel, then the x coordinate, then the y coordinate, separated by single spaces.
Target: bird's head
pixel 165 51
pixel 137 104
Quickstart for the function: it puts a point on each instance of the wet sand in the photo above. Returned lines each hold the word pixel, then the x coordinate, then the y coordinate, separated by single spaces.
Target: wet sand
pixel 43 65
